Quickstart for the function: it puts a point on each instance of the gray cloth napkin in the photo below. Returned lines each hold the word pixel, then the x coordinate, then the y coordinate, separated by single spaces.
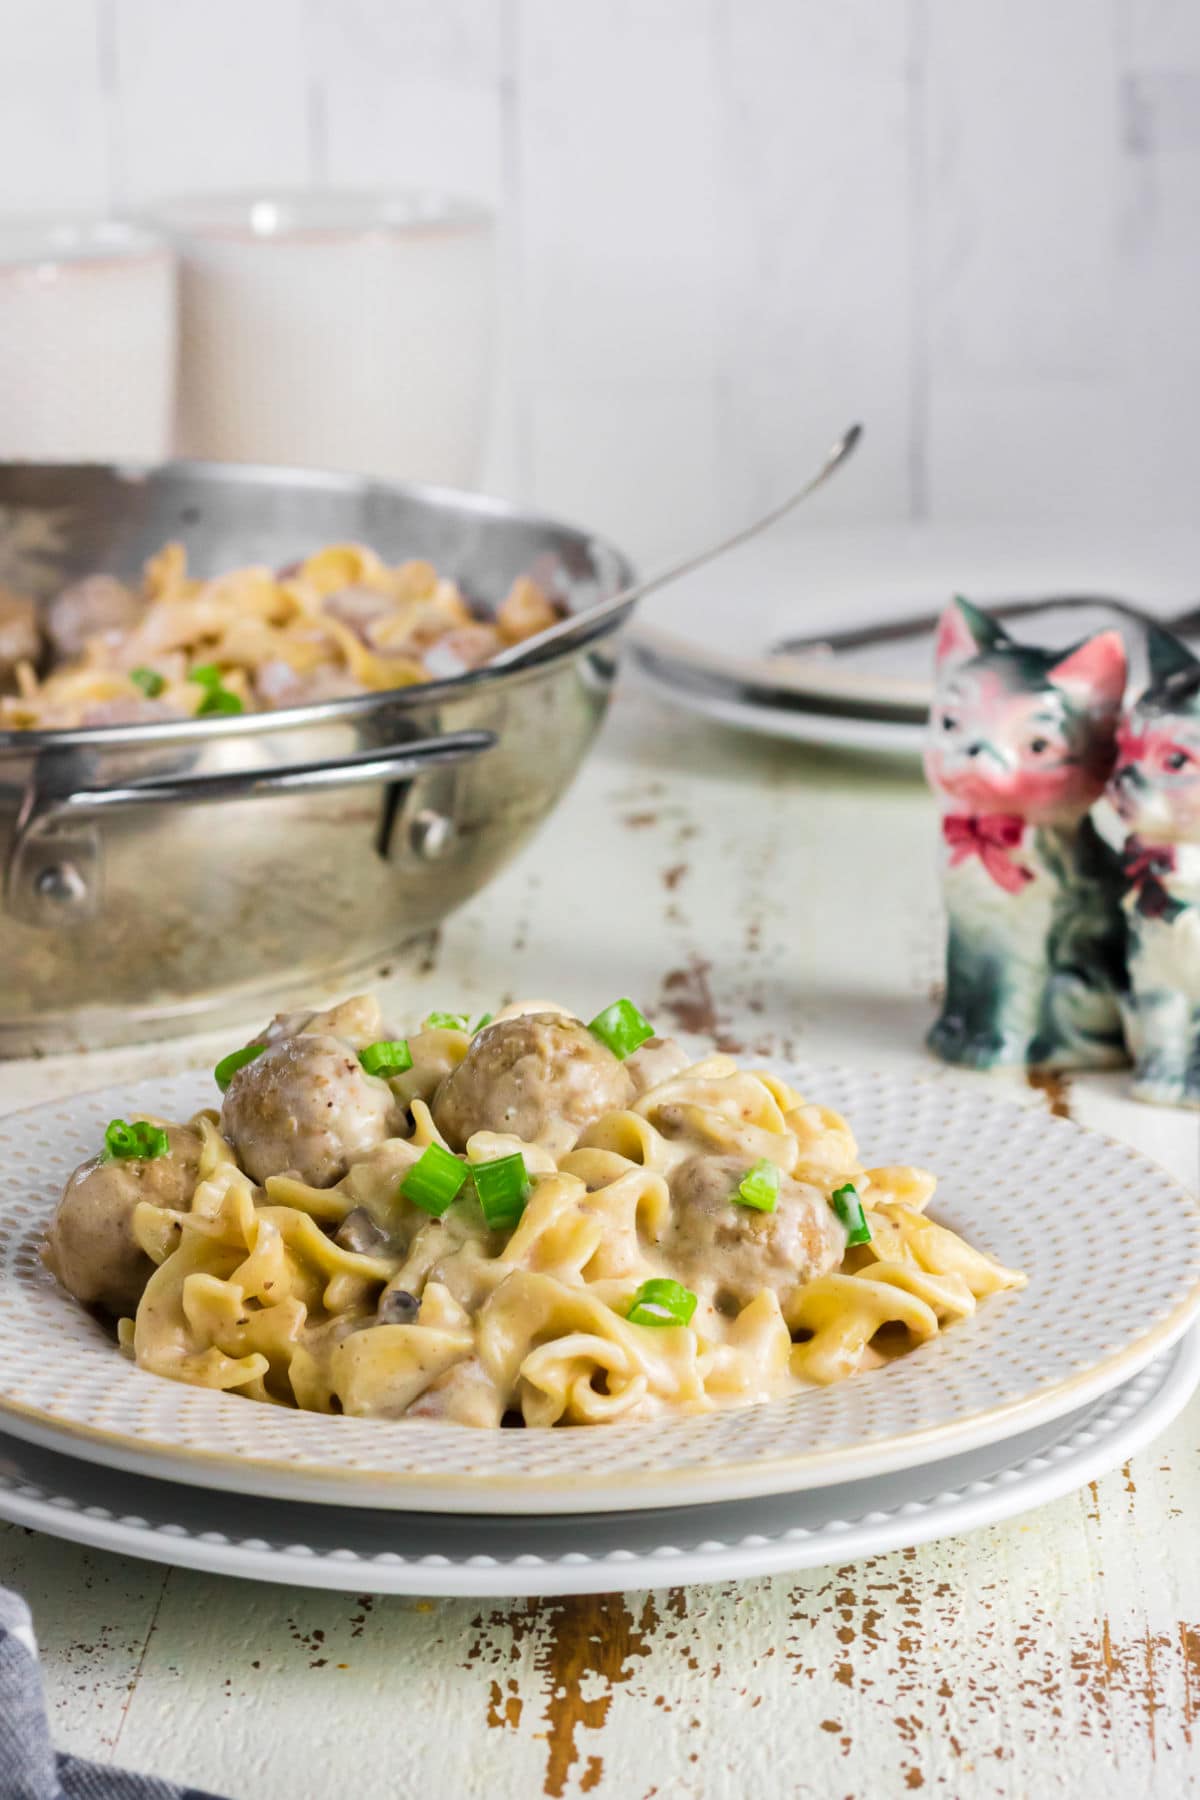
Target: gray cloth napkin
pixel 29 1767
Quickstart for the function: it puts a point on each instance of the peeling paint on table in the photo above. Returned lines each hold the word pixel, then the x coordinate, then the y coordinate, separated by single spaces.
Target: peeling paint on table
pixel 776 902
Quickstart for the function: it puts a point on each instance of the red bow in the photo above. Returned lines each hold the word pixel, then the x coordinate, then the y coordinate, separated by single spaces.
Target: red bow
pixel 1144 865
pixel 992 837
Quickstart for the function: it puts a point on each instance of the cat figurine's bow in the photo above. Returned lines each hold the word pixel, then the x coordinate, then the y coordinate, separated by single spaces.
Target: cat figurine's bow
pixel 1145 865
pixel 992 837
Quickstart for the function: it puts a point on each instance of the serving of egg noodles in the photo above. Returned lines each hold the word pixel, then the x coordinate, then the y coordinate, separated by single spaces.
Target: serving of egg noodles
pixel 522 1220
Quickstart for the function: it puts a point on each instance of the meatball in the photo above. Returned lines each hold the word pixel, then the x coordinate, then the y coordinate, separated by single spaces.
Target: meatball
pixel 20 639
pixel 90 1247
pixel 732 1252
pixel 541 1076
pixel 97 604
pixel 306 1107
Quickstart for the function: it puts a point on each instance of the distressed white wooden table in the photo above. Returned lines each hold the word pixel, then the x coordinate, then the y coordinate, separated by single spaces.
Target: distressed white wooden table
pixel 769 899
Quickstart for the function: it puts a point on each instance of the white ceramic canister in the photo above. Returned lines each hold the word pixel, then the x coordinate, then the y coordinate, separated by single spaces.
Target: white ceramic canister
pixel 87 341
pixel 341 330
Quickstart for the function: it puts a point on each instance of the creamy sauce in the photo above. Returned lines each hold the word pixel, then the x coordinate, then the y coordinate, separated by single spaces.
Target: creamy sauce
pixel 278 1257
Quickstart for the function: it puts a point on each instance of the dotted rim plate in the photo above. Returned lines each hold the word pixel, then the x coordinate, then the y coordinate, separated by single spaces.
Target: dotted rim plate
pixel 1110 1243
pixel 354 1552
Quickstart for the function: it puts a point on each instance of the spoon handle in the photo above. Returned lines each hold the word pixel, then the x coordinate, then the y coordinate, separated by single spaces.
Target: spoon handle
pixel 581 625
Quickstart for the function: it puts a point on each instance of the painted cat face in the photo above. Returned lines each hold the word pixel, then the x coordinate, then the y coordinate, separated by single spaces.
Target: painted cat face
pixel 1156 783
pixel 1020 730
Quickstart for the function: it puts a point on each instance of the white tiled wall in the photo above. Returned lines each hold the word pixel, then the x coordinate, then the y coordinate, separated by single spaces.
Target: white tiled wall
pixel 729 226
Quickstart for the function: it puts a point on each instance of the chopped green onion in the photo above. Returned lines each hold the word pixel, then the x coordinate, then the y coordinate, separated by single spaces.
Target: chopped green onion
pixel 149 680
pixel 435 1180
pixel 141 1141
pixel 229 1065
pixel 503 1188
pixel 759 1187
pixel 217 697
pixel 849 1209
pixel 481 1021
pixel 219 700
pixel 622 1028
pixel 390 1056
pixel 444 1021
pixel 662 1302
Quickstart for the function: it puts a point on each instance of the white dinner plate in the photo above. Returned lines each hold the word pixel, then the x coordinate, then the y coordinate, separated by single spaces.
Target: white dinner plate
pixel 710 643
pixel 1109 1242
pixel 419 1553
pixel 732 696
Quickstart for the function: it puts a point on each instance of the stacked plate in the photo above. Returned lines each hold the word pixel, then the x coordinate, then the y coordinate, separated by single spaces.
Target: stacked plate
pixel 1036 1394
pixel 827 637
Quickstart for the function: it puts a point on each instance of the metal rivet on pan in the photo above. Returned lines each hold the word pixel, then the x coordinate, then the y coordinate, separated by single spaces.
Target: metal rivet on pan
pixel 431 834
pixel 61 884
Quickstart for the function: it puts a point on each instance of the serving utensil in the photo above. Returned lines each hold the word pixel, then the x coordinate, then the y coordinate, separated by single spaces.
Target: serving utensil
pixel 579 627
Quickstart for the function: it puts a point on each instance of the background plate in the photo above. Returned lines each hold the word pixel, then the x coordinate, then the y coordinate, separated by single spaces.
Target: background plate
pixel 1110 1243
pixel 733 700
pixel 416 1553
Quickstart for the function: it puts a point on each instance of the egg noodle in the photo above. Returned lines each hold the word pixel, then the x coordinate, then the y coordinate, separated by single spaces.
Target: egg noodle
pixel 260 1290
pixel 341 622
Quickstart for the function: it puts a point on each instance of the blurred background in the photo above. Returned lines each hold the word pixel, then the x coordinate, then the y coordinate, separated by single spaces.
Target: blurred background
pixel 724 227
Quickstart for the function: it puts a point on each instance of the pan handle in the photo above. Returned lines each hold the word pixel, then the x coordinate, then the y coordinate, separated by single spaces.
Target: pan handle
pixel 358 770
pixel 53 872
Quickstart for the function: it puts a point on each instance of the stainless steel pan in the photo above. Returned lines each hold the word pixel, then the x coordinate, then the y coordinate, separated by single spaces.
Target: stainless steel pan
pixel 160 877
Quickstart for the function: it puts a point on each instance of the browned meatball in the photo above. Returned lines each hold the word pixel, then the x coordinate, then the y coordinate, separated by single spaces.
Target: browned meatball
pixel 732 1252
pixel 541 1076
pixel 90 1246
pixel 85 609
pixel 306 1107
pixel 20 639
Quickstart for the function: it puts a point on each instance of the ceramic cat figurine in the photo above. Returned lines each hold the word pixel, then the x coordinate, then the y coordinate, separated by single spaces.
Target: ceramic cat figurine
pixel 1022 743
pixel 1156 791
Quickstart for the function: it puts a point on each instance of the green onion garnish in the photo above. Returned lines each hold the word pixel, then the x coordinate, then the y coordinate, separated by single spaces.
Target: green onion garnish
pixel 443 1021
pixel 662 1302
pixel 217 697
pixel 218 700
pixel 149 680
pixel 849 1209
pixel 622 1027
pixel 435 1180
pixel 229 1065
pixel 481 1021
pixel 503 1188
pixel 141 1140
pixel 390 1056
pixel 759 1187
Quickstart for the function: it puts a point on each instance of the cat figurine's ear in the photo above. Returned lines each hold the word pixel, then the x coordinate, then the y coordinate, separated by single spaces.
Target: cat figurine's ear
pixel 963 631
pixel 1168 654
pixel 1093 674
pixel 1174 670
